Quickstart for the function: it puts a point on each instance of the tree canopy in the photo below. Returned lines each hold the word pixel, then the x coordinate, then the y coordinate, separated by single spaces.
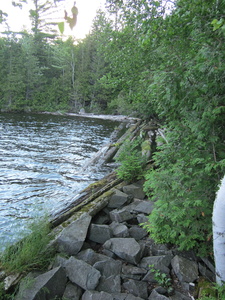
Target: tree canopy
pixel 160 60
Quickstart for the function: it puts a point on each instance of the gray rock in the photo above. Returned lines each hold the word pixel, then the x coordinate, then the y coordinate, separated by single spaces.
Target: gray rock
pixel 72 292
pixel 150 277
pixel 59 261
pixel 137 288
pixel 110 284
pixel 125 296
pixel 94 295
pixel 121 215
pixel 110 280
pixel 91 257
pixel 179 296
pixel 185 269
pixel 135 190
pixel 101 218
pixel 144 207
pixel 156 296
pixel 109 253
pixel 126 248
pixel 118 199
pixel 109 267
pixel 132 297
pixel 204 271
pixel 209 264
pixel 160 249
pixel 137 232
pixel 131 270
pixel 45 286
pixel 119 230
pixel 142 219
pixel 71 239
pixel 160 262
pixel 99 233
pixel 119 296
pixel 82 274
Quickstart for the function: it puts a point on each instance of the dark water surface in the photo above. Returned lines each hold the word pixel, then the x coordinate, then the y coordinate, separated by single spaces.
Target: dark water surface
pixel 41 159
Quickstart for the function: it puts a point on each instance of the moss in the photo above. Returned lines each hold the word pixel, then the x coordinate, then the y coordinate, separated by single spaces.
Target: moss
pixel 206 289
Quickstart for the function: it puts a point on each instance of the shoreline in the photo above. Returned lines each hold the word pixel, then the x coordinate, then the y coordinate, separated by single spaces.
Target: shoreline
pixel 119 118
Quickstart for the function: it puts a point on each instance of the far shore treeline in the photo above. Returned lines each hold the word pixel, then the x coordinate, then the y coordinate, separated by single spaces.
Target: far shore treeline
pixel 156 60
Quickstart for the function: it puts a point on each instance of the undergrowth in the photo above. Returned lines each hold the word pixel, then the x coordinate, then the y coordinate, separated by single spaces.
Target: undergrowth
pixel 131 161
pixel 29 253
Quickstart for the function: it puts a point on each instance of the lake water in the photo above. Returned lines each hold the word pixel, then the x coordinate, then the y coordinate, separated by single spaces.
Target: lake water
pixel 41 159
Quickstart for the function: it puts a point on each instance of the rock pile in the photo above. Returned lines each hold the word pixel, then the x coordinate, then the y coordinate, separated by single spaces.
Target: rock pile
pixel 106 255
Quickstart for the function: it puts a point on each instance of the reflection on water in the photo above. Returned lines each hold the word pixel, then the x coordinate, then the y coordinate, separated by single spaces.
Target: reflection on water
pixel 41 159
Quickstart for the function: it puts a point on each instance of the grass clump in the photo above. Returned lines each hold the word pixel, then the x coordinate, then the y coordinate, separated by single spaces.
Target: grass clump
pixel 31 252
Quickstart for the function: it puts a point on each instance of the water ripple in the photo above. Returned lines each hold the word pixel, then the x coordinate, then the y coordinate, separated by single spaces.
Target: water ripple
pixel 41 159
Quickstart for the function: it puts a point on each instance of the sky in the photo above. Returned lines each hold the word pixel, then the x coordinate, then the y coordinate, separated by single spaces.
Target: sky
pixel 19 18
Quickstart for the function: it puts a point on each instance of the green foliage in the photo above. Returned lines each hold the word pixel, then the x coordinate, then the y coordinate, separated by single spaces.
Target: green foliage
pixel 3 294
pixel 29 253
pixel 218 24
pixel 162 278
pixel 213 292
pixel 61 26
pixel 132 161
pixel 187 91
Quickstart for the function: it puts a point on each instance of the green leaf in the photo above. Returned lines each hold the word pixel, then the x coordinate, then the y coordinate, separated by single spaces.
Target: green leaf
pixel 61 27
pixel 217 24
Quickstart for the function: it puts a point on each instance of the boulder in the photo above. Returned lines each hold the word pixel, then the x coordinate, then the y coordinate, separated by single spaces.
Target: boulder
pixel 45 286
pixel 110 284
pixel 71 239
pixel 99 233
pixel 160 249
pixel 101 218
pixel 135 190
pixel 94 295
pixel 160 262
pixel 82 274
pixel 91 257
pixel 129 271
pixel 132 297
pixel 142 218
pixel 144 207
pixel 156 296
pixel 137 232
pixel 118 199
pixel 150 277
pixel 121 215
pixel 186 270
pixel 119 230
pixel 126 248
pixel 125 296
pixel 136 288
pixel 204 271
pixel 179 296
pixel 72 292
pixel 109 267
pixel 110 280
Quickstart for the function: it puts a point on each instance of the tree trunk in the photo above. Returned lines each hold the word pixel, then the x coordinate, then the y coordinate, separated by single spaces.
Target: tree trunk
pixel 219 233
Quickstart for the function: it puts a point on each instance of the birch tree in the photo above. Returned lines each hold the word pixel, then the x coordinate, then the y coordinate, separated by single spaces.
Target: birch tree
pixel 219 233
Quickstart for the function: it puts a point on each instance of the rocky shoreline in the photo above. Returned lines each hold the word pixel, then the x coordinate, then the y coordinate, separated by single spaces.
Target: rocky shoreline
pixel 104 254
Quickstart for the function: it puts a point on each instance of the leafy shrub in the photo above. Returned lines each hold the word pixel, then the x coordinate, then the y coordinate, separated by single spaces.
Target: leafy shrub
pixel 162 278
pixel 131 161
pixel 212 291
pixel 183 185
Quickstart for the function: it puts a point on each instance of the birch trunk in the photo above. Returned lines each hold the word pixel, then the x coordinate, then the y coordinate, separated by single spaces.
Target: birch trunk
pixel 219 233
